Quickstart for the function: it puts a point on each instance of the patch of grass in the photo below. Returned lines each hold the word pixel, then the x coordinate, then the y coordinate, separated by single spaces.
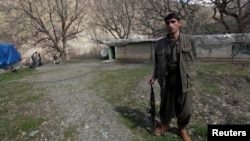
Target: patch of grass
pixel 8 128
pixel 119 84
pixel 32 98
pixel 3 110
pixel 28 98
pixel 15 75
pixel 14 93
pixel 224 67
pixel 211 89
pixel 198 132
pixel 244 72
pixel 30 124
pixel 70 132
pixel 13 126
pixel 12 90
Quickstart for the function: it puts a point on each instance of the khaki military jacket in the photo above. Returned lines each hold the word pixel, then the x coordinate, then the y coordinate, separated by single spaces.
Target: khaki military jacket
pixel 186 61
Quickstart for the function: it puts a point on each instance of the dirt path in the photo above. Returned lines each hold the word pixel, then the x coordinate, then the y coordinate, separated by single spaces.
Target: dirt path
pixel 71 110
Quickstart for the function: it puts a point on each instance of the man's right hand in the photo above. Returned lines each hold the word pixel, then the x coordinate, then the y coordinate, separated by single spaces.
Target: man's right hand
pixel 151 81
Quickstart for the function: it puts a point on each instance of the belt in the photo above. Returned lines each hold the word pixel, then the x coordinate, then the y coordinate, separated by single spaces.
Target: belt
pixel 172 68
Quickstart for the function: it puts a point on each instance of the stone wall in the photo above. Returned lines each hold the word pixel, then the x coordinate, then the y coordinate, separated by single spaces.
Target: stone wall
pixel 222 46
pixel 131 49
pixel 139 51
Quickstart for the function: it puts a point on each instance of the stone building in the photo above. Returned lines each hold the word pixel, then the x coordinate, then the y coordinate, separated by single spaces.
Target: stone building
pixel 221 46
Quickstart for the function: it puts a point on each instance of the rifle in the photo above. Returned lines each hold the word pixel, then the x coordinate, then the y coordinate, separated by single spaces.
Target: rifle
pixel 151 110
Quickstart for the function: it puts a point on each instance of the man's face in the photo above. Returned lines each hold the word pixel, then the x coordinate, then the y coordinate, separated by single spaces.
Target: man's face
pixel 173 25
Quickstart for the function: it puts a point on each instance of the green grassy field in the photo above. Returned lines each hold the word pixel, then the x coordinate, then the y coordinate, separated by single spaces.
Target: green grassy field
pixel 116 86
pixel 126 80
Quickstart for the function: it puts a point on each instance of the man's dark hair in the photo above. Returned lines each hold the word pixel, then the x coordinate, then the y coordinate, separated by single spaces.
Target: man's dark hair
pixel 172 16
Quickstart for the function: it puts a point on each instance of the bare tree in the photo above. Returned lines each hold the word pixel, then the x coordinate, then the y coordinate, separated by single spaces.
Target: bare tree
pixel 51 23
pixel 150 17
pixel 229 11
pixel 152 13
pixel 114 17
pixel 11 26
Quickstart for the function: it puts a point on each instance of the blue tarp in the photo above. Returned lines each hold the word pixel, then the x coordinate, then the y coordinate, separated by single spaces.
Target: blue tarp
pixel 8 56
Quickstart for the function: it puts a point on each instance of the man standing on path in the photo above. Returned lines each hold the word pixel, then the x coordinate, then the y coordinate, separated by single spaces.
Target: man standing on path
pixel 175 70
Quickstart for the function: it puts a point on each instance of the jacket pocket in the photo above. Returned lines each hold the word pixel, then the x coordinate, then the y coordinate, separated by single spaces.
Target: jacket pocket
pixel 187 54
pixel 186 49
pixel 160 59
